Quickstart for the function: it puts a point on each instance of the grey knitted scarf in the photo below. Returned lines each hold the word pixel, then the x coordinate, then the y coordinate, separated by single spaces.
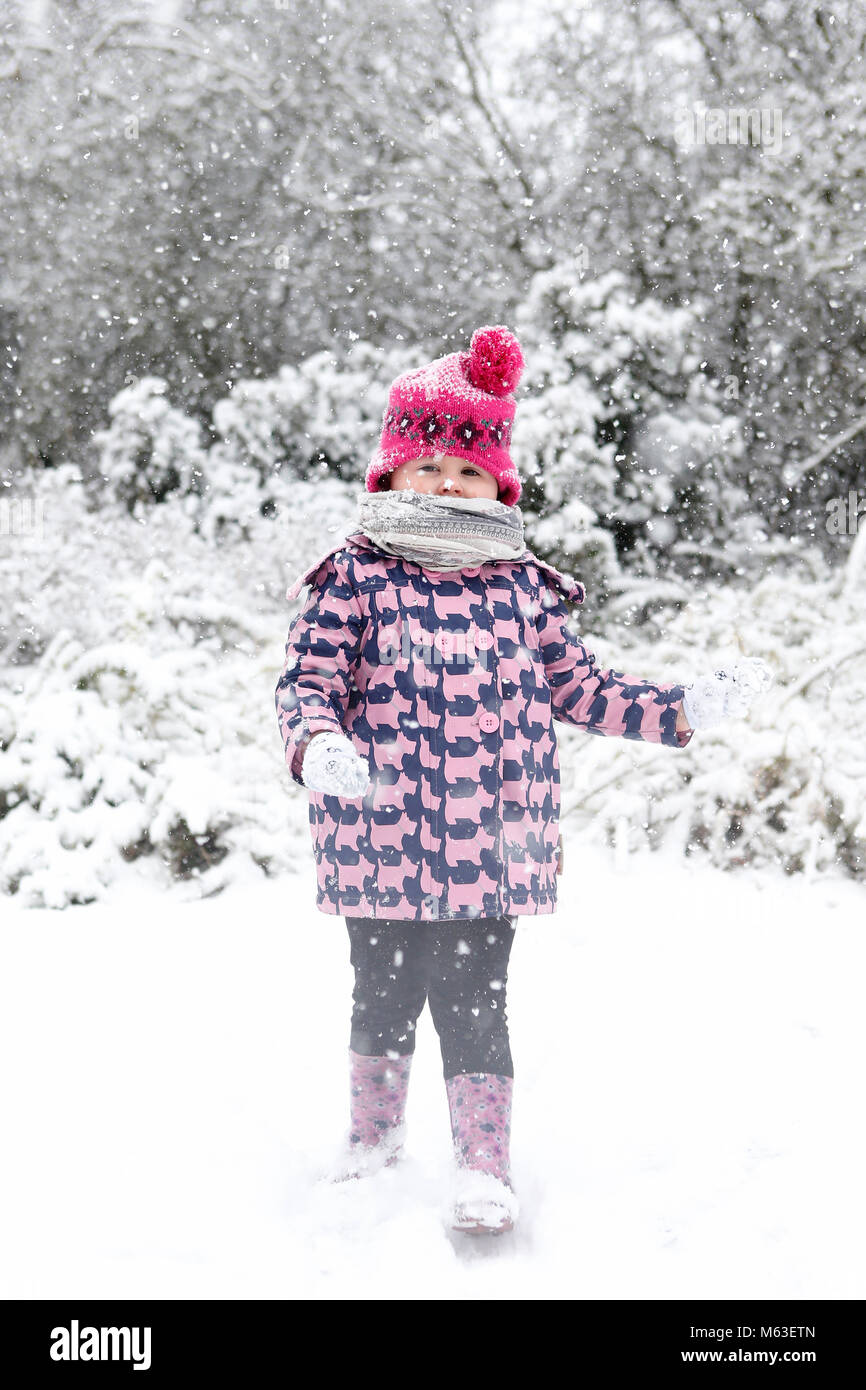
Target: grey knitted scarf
pixel 441 533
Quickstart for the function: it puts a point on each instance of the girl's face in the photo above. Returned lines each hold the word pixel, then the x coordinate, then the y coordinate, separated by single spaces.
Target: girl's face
pixel 447 475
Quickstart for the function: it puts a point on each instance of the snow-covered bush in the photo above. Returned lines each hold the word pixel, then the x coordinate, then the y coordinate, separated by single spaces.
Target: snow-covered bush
pixel 239 510
pixel 151 449
pixel 140 735
pixel 323 414
pixel 130 749
pixel 785 786
pixel 628 454
pixel 315 423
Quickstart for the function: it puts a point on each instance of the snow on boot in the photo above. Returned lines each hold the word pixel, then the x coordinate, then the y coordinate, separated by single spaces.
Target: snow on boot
pixel 377 1103
pixel 480 1108
pixel 482 1204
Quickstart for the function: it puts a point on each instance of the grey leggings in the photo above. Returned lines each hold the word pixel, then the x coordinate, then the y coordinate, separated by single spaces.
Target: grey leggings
pixel 460 966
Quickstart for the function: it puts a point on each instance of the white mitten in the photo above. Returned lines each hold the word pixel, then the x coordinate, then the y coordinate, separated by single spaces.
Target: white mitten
pixel 725 694
pixel 332 765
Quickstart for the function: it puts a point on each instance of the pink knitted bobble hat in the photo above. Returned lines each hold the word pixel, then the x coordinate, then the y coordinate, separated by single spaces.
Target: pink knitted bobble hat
pixel 460 404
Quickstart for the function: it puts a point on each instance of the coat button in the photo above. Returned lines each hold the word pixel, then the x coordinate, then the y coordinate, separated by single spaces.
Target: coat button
pixel 473 573
pixel 484 640
pixel 488 722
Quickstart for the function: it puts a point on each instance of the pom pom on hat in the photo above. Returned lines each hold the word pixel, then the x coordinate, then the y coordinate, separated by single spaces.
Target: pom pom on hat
pixel 495 360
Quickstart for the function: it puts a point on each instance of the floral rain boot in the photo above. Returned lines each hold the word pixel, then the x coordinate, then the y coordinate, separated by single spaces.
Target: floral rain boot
pixel 377 1104
pixel 480 1108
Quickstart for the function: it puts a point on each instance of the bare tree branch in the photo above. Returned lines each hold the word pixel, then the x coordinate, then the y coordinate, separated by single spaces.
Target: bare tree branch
pixel 709 52
pixel 197 47
pixel 485 106
pixel 799 470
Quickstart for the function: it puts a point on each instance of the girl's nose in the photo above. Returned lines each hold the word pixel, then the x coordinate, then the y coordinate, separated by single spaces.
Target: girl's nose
pixel 449 485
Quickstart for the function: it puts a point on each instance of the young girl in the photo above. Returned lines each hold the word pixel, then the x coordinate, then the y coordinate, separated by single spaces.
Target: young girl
pixel 421 681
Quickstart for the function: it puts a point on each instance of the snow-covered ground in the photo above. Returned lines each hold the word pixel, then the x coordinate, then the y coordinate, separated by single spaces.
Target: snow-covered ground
pixel 688 1122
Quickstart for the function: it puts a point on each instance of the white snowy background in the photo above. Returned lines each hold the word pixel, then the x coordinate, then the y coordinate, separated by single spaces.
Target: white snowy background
pixel 226 229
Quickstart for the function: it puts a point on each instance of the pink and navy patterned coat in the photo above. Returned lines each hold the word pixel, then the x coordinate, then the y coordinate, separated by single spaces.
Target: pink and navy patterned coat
pixel 448 684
